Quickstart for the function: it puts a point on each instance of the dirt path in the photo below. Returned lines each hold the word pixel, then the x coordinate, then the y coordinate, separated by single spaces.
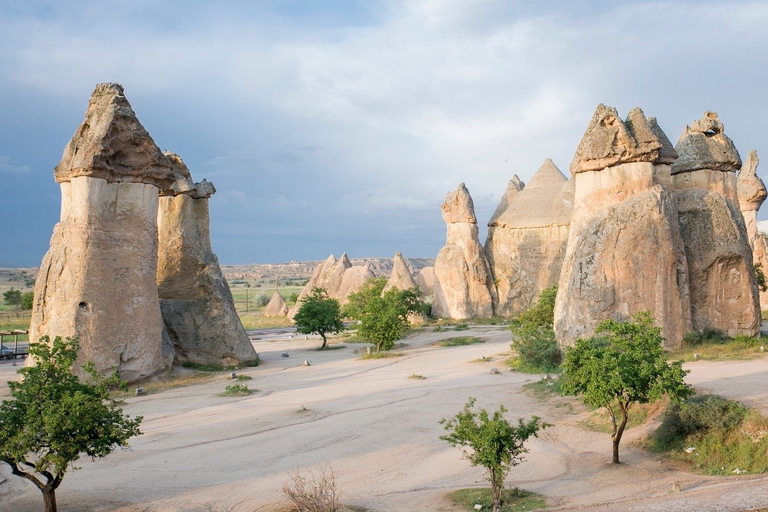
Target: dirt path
pixel 379 431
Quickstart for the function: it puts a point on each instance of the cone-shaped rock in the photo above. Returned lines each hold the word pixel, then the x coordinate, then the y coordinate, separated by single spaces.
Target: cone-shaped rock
pixel 463 284
pixel 624 253
pixel 276 306
pixel 723 288
pixel 195 300
pixel 527 239
pixel 97 280
pixel 426 280
pixel 752 193
pixel 514 186
pixel 401 277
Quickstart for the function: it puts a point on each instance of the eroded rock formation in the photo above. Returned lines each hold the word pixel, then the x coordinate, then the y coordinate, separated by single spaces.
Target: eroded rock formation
pixel 463 284
pixel 752 193
pixel 338 277
pixel 624 252
pixel 426 280
pixel 401 276
pixel 276 306
pixel 723 290
pixel 97 280
pixel 527 236
pixel 195 299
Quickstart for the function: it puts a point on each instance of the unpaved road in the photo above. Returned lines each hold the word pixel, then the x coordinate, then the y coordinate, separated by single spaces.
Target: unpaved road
pixel 379 431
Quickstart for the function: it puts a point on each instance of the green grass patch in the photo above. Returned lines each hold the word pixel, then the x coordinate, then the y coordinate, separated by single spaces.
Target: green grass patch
pixel 353 338
pixel 244 377
pixel 460 341
pixel 171 381
pixel 417 376
pixel 515 500
pixel 330 347
pixel 461 327
pixel 380 355
pixel 517 364
pixel 217 368
pixel 236 390
pixel 717 348
pixel 600 420
pixel 545 388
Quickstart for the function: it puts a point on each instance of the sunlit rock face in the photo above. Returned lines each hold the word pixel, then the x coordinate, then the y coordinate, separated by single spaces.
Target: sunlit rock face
pixel 97 280
pixel 722 280
pixel 624 252
pixel 527 237
pixel 463 285
pixel 195 300
pixel 401 276
pixel 752 193
pixel 276 306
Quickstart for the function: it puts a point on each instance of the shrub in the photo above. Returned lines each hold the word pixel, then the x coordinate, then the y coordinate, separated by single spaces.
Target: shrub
pixel 315 492
pixel 236 390
pixel 697 415
pixel 461 327
pixel 536 349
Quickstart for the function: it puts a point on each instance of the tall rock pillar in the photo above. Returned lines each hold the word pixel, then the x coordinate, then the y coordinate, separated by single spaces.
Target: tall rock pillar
pixel 97 280
pixel 723 289
pixel 752 193
pixel 624 252
pixel 195 300
pixel 463 285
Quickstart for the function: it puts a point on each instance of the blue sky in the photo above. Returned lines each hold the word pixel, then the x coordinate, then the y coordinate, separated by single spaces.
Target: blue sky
pixel 340 125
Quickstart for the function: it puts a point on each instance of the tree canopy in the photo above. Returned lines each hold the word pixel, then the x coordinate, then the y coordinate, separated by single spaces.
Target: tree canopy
pixel 383 315
pixel 623 366
pixel 496 444
pixel 54 419
pixel 12 297
pixel 319 314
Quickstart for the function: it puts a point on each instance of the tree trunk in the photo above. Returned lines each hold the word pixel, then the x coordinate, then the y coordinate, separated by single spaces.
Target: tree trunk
pixel 324 341
pixel 496 489
pixel 49 498
pixel 619 431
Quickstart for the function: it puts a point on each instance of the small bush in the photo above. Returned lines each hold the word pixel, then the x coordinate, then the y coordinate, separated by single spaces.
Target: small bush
pixel 243 377
pixel 697 415
pixel 417 376
pixel 236 390
pixel 543 312
pixel 461 327
pixel 315 492
pixel 460 341
pixel 537 350
pixel 515 499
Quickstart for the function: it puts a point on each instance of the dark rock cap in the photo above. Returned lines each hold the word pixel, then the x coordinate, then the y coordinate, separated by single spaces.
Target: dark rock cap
pixel 704 145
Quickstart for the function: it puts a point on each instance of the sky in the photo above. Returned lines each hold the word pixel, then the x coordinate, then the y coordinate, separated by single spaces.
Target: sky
pixel 340 126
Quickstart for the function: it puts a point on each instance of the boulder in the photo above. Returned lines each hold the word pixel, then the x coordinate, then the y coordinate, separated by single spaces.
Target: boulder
pixel 97 280
pixel 624 253
pixel 527 237
pixel 463 285
pixel 401 277
pixel 751 191
pixel 724 293
pixel 276 306
pixel 196 302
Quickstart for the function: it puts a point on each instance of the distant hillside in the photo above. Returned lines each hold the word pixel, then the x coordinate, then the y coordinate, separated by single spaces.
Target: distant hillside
pixel 304 269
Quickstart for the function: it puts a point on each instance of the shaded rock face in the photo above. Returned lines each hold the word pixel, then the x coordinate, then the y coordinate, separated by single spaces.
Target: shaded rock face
pixel 624 252
pixel 722 280
pixel 401 277
pixel 527 238
pixel 463 285
pixel 195 299
pixel 97 280
pixel 276 306
pixel 338 277
pixel 752 193
pixel 426 280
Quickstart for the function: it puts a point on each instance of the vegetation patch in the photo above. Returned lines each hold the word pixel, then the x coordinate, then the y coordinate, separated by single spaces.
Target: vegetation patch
pixel 600 420
pixel 715 435
pixel 417 376
pixel 534 337
pixel 461 327
pixel 330 347
pixel 515 500
pixel 380 355
pixel 236 390
pixel 460 341
pixel 217 368
pixel 244 377
pixel 714 345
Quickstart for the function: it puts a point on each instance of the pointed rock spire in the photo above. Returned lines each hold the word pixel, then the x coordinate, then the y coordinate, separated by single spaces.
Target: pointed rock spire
pixel 401 276
pixel 276 306
pixel 514 186
pixel 458 207
pixel 610 141
pixel 704 145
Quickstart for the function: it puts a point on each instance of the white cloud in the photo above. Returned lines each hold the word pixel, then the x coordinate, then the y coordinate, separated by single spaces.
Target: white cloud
pixel 7 166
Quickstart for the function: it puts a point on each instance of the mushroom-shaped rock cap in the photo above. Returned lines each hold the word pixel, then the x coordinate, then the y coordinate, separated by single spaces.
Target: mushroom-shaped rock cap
pixel 610 141
pixel 458 207
pixel 704 145
pixel 750 187
pixel 112 144
pixel 546 200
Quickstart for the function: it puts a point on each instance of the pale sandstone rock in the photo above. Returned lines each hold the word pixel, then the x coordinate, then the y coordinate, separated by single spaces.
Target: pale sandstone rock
pixel 426 280
pixel 752 193
pixel 463 284
pixel 352 280
pixel 723 289
pixel 401 276
pixel 195 299
pixel 97 280
pixel 276 306
pixel 527 239
pixel 624 252
pixel 514 186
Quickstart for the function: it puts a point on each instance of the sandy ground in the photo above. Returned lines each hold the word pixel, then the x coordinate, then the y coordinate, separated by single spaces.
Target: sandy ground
pixel 379 431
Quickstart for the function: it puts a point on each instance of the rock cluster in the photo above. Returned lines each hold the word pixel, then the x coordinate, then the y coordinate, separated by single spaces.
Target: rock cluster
pixel 98 280
pixel 463 284
pixel 624 252
pixel 338 277
pixel 527 237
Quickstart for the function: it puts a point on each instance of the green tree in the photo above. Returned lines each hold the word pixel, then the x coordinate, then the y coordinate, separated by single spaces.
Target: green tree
pixel 27 300
pixel 293 297
pixel 12 297
pixel 54 418
pixel 623 367
pixel 319 314
pixel 534 335
pixel 762 284
pixel 496 444
pixel 383 315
